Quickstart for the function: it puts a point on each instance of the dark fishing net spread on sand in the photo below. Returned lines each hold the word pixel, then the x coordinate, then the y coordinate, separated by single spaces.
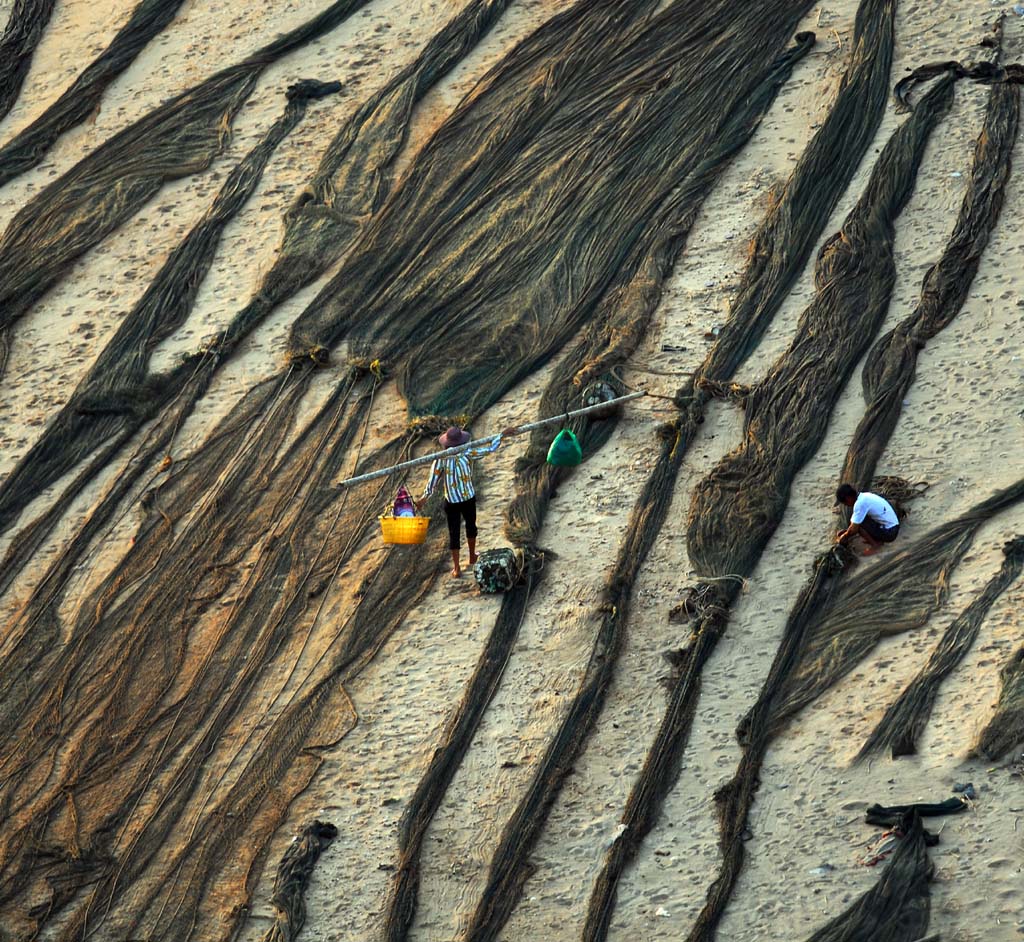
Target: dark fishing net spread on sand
pixel 160 722
pixel 29 146
pixel 109 186
pixel 21 36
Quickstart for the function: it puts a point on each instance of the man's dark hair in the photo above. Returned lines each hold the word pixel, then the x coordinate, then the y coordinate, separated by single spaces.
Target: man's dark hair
pixel 846 492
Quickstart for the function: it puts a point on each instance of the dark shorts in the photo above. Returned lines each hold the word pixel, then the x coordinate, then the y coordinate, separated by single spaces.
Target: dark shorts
pixel 455 513
pixel 882 534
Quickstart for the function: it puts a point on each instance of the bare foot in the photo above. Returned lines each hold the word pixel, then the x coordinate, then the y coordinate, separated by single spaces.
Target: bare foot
pixel 870 550
pixel 472 559
pixel 456 573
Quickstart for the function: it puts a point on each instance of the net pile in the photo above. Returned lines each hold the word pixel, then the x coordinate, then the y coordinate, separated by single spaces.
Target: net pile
pixel 498 570
pixel 293 875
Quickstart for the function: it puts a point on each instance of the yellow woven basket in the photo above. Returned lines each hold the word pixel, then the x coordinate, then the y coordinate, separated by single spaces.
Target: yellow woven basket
pixel 404 530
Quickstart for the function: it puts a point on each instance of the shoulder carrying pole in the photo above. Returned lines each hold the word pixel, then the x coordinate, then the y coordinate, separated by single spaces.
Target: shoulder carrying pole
pixel 529 427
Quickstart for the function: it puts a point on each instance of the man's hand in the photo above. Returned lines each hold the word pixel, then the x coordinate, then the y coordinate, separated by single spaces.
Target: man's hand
pixel 509 432
pixel 419 502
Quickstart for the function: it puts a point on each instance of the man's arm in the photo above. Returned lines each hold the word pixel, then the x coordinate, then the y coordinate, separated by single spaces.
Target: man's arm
pixel 473 453
pixel 851 531
pixel 432 481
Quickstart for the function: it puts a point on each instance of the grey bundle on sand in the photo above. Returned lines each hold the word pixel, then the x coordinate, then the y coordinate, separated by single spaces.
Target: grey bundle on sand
pixel 905 719
pixel 24 29
pixel 28 147
pixel 293 875
pixel 888 816
pixel 499 570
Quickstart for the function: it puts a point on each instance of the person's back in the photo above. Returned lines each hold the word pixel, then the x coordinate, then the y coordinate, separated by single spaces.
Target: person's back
pixel 455 475
pixel 875 507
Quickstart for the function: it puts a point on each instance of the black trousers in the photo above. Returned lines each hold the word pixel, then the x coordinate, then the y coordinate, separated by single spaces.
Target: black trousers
pixel 880 533
pixel 455 514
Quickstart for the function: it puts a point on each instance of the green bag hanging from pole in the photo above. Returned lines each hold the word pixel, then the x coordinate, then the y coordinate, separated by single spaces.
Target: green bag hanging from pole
pixel 565 451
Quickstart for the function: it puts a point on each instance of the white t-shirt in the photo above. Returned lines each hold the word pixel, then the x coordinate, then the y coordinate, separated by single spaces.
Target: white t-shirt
pixel 875 507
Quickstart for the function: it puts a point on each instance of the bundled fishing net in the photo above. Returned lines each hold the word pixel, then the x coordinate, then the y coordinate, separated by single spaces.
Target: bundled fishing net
pixel 898 907
pixel 499 570
pixel 293 875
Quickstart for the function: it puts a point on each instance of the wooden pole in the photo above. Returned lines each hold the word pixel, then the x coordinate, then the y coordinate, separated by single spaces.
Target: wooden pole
pixel 529 427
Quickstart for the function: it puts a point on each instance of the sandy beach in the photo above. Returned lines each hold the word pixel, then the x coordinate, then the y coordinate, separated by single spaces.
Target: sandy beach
pixel 961 431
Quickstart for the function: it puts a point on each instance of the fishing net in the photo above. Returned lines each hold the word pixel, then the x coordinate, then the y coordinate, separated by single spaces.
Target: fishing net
pixel 293 875
pixel 28 147
pixel 1005 731
pixel 734 800
pixel 898 907
pixel 735 509
pixel 499 570
pixel 28 19
pixel 581 377
pixel 106 188
pixel 219 595
pixel 905 719
pixel 135 783
pixel 351 181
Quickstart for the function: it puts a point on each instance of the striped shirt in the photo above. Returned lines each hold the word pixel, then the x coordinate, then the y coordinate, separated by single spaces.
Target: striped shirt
pixel 457 473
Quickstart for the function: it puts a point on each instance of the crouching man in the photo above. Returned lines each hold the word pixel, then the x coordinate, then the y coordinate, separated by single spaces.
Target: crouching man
pixel 873 519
